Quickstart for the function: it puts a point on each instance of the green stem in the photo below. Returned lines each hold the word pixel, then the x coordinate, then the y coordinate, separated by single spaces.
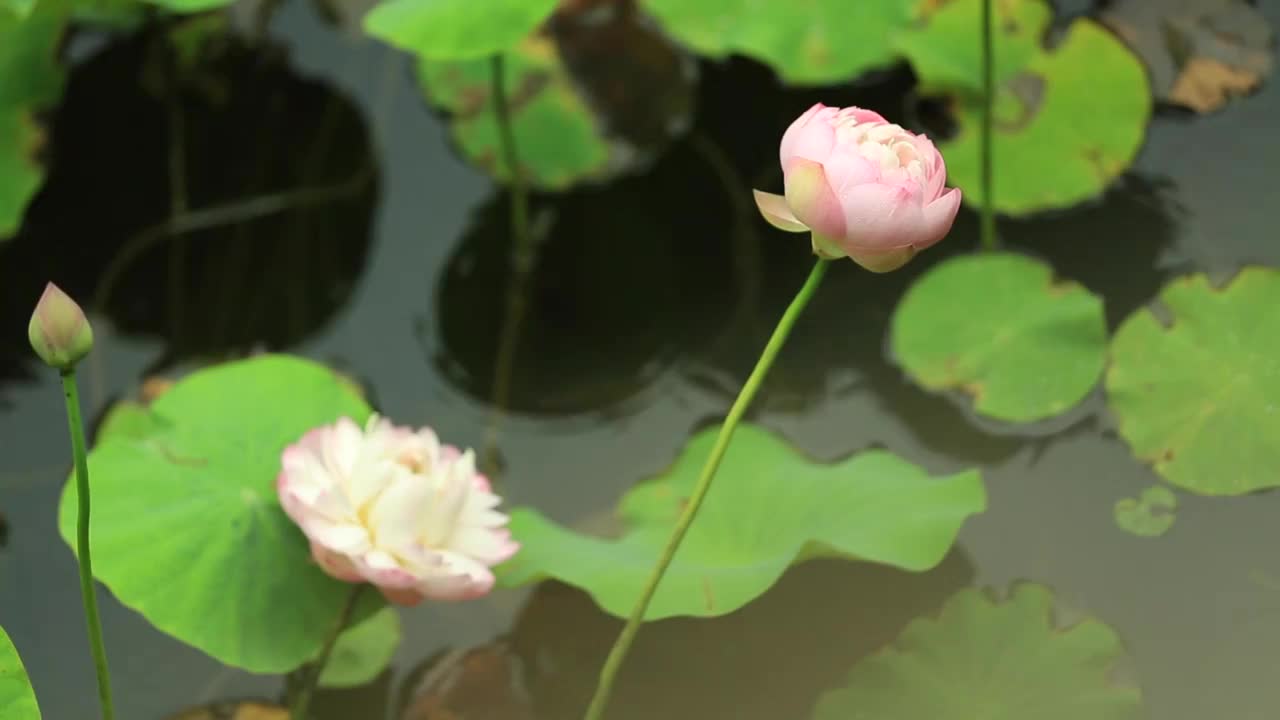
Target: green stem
pixel 523 260
pixel 72 395
pixel 302 703
pixel 988 227
pixel 620 647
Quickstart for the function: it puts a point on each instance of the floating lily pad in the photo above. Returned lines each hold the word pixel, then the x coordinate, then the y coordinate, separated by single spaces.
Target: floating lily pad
pixel 1067 120
pixel 557 135
pixel 17 699
pixel 363 651
pixel 456 29
pixel 770 508
pixel 1199 398
pixel 127 420
pixel 33 81
pixel 1151 514
pixel 816 42
pixel 187 529
pixel 991 661
pixel 998 327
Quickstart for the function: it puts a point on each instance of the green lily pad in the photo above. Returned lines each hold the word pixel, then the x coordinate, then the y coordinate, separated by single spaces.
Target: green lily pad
pixel 557 135
pixel 814 42
pixel 128 420
pixel 456 29
pixel 363 651
pixel 982 660
pixel 17 8
pixel 1067 121
pixel 770 508
pixel 17 699
pixel 998 327
pixel 1199 399
pixel 187 529
pixel 1151 514
pixel 32 81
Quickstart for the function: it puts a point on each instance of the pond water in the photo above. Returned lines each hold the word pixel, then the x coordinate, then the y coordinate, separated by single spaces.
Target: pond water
pixel 648 304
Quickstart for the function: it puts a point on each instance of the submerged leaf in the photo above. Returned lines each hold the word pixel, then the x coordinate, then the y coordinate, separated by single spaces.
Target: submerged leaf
pixel 1199 398
pixel 991 661
pixel 998 327
pixel 770 508
pixel 1151 514
pixel 17 699
pixel 1067 120
pixel 558 139
pixel 187 527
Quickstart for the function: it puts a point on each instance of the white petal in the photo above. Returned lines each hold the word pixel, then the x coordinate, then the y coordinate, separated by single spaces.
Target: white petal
pixel 397 516
pixel 344 539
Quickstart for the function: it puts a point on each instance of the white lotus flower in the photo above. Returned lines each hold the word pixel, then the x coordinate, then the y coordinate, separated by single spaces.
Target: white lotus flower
pixel 395 508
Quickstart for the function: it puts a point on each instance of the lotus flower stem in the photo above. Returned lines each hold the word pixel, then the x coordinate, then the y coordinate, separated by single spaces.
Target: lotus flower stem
pixel 523 260
pixel 72 396
pixel 302 701
pixel 988 227
pixel 623 644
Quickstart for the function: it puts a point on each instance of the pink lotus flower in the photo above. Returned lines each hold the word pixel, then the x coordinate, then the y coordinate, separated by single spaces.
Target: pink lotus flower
pixel 866 188
pixel 395 508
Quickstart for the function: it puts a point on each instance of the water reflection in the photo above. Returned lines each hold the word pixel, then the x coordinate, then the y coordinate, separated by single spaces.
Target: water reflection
pixel 628 276
pixel 221 205
pixel 764 661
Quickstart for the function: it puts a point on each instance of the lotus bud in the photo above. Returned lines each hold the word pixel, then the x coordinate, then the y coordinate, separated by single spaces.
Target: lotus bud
pixel 59 332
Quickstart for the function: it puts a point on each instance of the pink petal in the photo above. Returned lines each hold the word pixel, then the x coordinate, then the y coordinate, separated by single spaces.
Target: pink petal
pixel 776 213
pixel 847 169
pixel 883 262
pixel 861 115
pixel 938 217
pixel 381 569
pixel 335 564
pixel 811 198
pixel 882 217
pixel 461 578
pixel 935 169
pixel 811 136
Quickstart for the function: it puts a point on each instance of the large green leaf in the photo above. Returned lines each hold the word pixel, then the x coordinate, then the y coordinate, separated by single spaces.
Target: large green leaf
pixel 31 80
pixel 456 29
pixel 187 528
pixel 770 508
pixel 998 327
pixel 17 8
pixel 556 133
pixel 982 660
pixel 17 699
pixel 1199 398
pixel 808 42
pixel 1068 120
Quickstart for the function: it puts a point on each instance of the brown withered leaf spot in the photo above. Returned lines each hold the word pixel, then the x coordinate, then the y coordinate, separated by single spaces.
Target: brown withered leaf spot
pixel 1200 53
pixel 241 710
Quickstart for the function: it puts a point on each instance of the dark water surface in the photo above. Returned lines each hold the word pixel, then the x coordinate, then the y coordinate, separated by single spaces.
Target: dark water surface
pixel 647 310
